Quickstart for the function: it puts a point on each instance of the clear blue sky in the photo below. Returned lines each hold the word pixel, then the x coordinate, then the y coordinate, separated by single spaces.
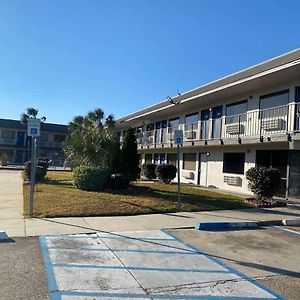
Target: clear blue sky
pixel 66 57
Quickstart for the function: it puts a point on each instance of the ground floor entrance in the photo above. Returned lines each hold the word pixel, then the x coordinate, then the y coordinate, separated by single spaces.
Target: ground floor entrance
pixel 226 167
pixel 294 174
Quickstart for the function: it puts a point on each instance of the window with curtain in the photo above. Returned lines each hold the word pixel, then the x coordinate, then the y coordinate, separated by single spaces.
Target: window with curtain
pixel 189 161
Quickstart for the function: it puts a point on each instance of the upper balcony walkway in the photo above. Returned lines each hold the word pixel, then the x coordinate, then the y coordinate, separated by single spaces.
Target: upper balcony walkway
pixel 277 123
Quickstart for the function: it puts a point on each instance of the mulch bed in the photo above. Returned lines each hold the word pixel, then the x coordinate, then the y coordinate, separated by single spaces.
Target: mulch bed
pixel 266 203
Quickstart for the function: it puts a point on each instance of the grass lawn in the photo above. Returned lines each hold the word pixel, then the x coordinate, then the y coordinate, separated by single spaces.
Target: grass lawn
pixel 57 197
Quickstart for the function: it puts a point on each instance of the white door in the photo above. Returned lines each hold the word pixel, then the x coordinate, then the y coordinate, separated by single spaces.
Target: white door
pixel 202 169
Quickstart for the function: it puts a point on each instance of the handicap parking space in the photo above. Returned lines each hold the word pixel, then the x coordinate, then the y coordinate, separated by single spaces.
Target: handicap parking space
pixel 139 265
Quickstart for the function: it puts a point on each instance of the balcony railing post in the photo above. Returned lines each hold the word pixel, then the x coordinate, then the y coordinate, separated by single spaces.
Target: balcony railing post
pixel 291 117
pixel 210 129
pixel 239 126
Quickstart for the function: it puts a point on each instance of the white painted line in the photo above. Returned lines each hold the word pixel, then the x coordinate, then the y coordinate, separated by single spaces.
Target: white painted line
pixel 151 265
pixel 286 229
pixel 291 222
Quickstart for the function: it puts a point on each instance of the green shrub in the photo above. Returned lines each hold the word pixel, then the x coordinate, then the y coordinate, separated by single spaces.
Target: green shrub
pixel 263 182
pixel 129 159
pixel 118 181
pixel 90 178
pixel 41 169
pixel 166 173
pixel 148 170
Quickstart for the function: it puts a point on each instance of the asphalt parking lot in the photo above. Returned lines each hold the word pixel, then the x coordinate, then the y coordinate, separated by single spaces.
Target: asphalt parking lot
pixel 153 264
pixel 268 255
pixel 141 265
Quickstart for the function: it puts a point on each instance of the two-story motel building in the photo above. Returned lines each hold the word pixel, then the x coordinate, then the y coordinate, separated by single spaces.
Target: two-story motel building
pixel 250 118
pixel 15 143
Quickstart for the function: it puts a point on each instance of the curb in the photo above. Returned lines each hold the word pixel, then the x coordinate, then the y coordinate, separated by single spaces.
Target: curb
pixel 291 222
pixel 225 225
pixel 244 225
pixel 3 236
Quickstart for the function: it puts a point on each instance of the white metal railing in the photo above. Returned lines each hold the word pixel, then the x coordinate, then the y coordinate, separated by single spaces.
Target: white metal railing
pixel 276 120
pixel 8 141
pixel 51 144
pixel 297 117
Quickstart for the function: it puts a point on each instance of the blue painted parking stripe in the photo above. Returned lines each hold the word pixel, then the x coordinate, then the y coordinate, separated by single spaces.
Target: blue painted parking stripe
pixel 52 285
pixel 254 282
pixel 137 268
pixel 183 252
pixel 156 296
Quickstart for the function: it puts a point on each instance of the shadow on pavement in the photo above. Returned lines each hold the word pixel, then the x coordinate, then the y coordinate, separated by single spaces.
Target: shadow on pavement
pixel 242 263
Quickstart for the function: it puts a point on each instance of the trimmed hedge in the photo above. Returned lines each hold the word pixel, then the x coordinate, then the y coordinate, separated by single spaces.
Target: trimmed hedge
pixel 263 182
pixel 90 178
pixel 148 170
pixel 166 173
pixel 41 169
pixel 118 181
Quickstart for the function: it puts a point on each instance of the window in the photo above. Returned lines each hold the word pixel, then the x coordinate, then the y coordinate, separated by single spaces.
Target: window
pixel 172 159
pixel 189 161
pixel 277 159
pixel 44 137
pixel 297 108
pixel 8 134
pixel 139 129
pixel 192 118
pixel 148 158
pixel 150 127
pixel 237 108
pixel 297 94
pixel 174 123
pixel 236 112
pixel 234 163
pixel 275 99
pixel 58 138
pixel 191 122
pixel 159 158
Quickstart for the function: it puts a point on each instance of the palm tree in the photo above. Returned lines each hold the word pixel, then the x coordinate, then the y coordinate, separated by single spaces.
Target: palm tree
pixel 90 141
pixel 30 113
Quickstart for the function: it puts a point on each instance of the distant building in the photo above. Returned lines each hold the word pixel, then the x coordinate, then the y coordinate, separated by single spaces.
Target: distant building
pixel 250 118
pixel 17 146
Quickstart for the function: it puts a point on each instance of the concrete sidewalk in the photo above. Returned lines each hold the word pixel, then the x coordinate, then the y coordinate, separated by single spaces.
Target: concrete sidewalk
pixel 11 218
pixel 11 202
pixel 45 226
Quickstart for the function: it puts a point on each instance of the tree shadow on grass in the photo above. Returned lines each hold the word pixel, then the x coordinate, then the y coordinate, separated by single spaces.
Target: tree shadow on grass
pixel 57 182
pixel 191 202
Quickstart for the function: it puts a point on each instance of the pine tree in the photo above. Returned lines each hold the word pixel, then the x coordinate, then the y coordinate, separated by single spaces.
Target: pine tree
pixel 129 159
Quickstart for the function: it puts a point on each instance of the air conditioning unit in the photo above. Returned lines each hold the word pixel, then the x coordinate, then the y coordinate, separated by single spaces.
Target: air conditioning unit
pixel 188 174
pixel 139 135
pixel 233 180
pixel 148 133
pixel 272 124
pixel 190 135
pixel 235 128
pixel 149 140
pixel 8 141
